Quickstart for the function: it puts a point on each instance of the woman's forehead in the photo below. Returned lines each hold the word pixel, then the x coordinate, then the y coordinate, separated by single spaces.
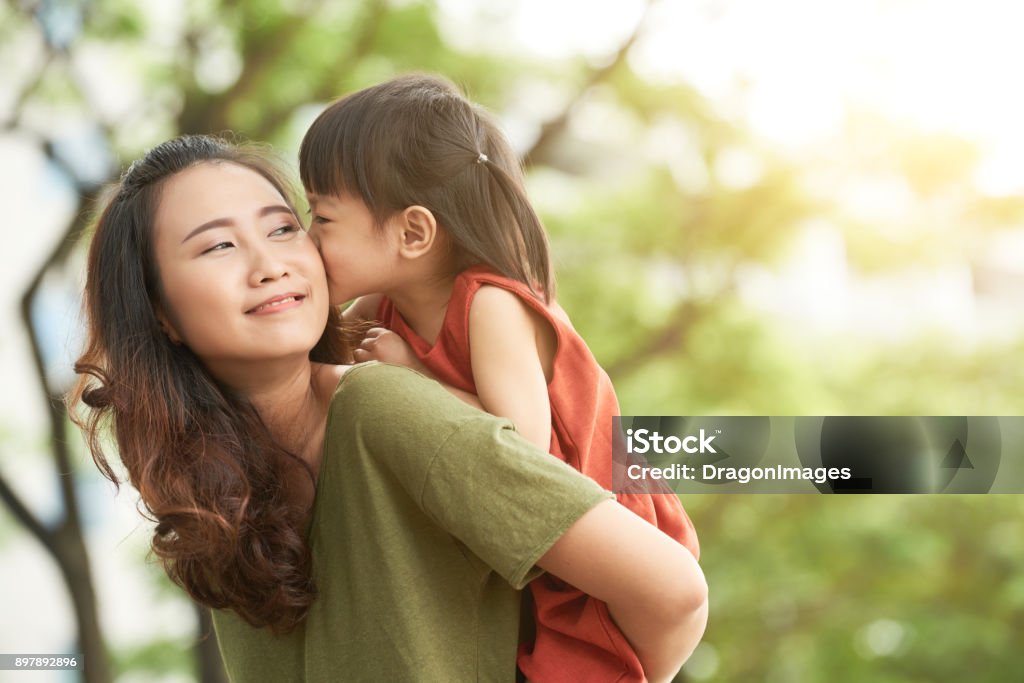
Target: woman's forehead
pixel 212 191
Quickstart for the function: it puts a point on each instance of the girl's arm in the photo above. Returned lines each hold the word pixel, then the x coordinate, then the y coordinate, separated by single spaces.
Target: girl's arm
pixel 654 589
pixel 506 343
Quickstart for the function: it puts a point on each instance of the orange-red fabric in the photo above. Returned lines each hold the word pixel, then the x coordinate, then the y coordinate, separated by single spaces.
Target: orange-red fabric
pixel 576 639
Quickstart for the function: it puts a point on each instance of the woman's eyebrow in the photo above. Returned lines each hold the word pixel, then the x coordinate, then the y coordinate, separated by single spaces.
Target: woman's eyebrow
pixel 225 222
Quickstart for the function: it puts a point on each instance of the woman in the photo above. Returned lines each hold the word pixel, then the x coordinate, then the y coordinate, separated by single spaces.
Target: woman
pixel 344 522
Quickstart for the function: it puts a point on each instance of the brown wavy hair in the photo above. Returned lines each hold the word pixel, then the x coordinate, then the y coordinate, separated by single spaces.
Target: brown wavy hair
pixel 416 140
pixel 206 468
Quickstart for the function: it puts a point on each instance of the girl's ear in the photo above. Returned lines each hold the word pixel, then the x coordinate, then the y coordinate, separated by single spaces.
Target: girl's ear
pixel 417 231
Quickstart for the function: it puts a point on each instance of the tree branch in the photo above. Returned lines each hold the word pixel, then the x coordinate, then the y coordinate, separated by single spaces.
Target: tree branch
pixel 672 336
pixel 55 403
pixel 326 87
pixel 257 66
pixel 26 517
pixel 554 127
pixel 11 122
pixel 68 546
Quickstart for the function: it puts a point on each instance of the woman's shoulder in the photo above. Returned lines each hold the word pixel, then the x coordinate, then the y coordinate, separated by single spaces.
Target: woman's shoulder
pixel 374 384
pixel 395 412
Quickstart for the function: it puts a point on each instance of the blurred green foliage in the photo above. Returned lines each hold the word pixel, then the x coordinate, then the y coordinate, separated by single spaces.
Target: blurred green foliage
pixel 862 588
pixel 888 589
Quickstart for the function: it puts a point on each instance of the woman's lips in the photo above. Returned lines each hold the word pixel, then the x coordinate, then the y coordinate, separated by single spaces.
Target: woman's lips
pixel 278 304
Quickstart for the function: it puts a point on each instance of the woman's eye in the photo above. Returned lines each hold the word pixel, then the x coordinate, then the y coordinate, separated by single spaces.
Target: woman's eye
pixel 220 246
pixel 284 230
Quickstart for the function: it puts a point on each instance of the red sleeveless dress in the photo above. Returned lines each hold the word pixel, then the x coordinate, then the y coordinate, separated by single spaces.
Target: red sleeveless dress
pixel 576 640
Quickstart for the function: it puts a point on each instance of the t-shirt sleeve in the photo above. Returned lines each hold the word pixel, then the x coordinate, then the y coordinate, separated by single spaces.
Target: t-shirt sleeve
pixel 470 472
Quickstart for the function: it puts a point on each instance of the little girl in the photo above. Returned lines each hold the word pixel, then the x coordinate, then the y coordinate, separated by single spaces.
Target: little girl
pixel 421 215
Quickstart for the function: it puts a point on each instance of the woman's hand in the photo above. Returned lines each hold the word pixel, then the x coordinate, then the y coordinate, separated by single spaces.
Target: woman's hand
pixel 387 347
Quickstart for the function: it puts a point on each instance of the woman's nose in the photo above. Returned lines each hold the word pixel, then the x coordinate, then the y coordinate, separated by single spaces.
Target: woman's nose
pixel 266 266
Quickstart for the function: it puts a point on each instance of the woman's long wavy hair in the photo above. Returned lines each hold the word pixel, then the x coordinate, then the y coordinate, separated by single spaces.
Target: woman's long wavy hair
pixel 206 468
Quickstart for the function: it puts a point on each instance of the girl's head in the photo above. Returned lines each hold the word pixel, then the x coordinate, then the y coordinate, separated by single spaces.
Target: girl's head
pixel 416 141
pixel 198 273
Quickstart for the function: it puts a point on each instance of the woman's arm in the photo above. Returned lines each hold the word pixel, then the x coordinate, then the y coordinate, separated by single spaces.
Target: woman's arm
pixel 504 344
pixel 520 510
pixel 654 589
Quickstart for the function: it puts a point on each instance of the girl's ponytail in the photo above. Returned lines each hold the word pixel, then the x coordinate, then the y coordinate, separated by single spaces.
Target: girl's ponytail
pixel 529 260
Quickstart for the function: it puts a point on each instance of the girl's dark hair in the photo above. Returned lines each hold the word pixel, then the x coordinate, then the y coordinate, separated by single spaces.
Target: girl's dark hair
pixel 205 466
pixel 415 140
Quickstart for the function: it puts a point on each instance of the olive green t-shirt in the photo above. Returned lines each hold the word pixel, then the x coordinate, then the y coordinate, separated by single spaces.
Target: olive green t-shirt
pixel 428 520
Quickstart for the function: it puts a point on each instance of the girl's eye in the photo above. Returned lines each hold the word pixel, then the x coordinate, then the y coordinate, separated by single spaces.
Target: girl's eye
pixel 320 220
pixel 220 246
pixel 284 230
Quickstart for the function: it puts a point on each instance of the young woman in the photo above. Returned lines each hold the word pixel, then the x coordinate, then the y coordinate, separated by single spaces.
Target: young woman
pixel 344 522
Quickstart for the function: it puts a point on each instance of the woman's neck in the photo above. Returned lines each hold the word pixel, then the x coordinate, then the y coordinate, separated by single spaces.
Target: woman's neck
pixel 424 304
pixel 290 402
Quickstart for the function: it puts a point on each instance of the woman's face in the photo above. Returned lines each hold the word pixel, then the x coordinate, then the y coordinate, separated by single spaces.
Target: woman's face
pixel 243 283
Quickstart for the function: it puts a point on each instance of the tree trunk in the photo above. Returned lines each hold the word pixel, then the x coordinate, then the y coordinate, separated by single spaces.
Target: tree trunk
pixel 209 665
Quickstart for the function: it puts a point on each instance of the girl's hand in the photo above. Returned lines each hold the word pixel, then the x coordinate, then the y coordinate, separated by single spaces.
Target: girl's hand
pixel 386 346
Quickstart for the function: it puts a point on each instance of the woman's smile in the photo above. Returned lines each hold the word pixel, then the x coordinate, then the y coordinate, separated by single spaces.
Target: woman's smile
pixel 277 304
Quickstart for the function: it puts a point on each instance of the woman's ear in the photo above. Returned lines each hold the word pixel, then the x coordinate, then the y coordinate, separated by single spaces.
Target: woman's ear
pixel 166 326
pixel 417 231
